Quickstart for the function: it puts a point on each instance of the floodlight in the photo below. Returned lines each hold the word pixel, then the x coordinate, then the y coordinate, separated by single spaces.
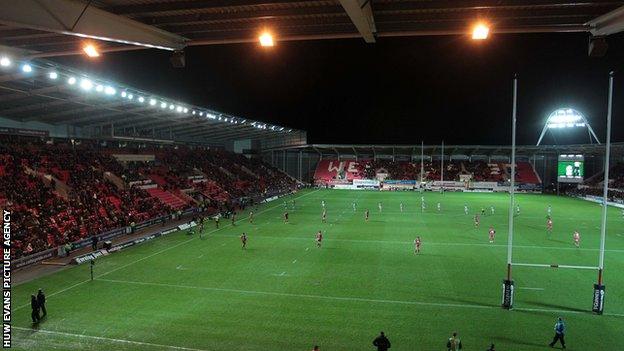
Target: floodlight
pixel 99 88
pixel 130 96
pixel 53 75
pixel 152 102
pixel 480 31
pixel 141 99
pixel 266 39
pixel 90 50
pixel 124 94
pixel 26 68
pixel 171 107
pixel 86 84
pixel 5 61
pixel 179 109
pixel 71 80
pixel 201 113
pixel 110 90
pixel 566 118
pixel 163 105
pixel 185 110
pixel 193 112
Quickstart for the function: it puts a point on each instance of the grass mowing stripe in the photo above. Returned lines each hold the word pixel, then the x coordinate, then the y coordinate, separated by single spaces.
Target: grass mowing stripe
pixel 124 341
pixel 155 253
pixel 346 298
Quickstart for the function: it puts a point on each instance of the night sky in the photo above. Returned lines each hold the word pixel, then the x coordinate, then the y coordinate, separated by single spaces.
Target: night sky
pixel 397 91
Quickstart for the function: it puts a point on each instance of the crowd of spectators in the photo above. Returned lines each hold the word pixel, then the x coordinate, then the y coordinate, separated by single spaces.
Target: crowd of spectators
pixel 59 192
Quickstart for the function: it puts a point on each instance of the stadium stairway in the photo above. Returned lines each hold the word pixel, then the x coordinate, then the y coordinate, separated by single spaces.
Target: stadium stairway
pixel 526 173
pixel 167 198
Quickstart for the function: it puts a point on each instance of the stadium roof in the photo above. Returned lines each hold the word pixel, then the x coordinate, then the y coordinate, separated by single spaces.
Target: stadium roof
pixel 41 91
pixel 338 150
pixel 54 28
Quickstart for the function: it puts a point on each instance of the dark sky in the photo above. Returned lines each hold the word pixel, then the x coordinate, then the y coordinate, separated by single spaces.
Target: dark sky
pixel 397 91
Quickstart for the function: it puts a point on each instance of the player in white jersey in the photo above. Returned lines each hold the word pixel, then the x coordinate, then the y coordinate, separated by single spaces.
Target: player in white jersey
pixel 380 206
pixel 354 206
pixel 323 203
pixel 492 209
pixel 517 210
pixel 577 238
pixel 549 210
pixel 401 206
pixel 466 209
pixel 439 207
pixel 422 206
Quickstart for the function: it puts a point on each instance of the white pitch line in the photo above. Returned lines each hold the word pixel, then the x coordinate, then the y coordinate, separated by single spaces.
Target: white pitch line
pixel 154 254
pixel 346 298
pixel 443 244
pixel 123 341
pixel 525 288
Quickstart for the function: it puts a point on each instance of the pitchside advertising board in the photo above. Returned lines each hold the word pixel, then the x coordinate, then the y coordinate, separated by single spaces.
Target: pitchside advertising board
pixel 571 168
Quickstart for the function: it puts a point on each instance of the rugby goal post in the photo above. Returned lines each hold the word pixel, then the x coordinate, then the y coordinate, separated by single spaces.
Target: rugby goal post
pixel 599 287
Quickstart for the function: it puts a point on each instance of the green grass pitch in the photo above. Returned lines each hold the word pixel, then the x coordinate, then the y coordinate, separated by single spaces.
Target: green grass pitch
pixel 282 293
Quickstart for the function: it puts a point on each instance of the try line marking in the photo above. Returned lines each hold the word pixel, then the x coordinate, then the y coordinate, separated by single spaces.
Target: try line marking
pixel 101 338
pixel 525 288
pixel 156 253
pixel 339 298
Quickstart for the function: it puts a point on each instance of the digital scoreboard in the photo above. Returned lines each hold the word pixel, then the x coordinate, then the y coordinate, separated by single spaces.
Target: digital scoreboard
pixel 571 168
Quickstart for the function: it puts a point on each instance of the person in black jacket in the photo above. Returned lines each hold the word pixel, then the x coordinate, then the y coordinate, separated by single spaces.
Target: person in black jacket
pixel 381 342
pixel 34 305
pixel 94 242
pixel 41 300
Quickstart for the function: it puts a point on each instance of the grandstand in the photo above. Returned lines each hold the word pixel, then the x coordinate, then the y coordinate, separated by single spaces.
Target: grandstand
pixel 152 223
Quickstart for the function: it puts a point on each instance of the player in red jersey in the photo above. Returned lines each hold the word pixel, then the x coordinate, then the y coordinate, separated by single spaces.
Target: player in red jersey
pixel 476 221
pixel 549 225
pixel 319 239
pixel 417 243
pixel 324 216
pixel 286 217
pixel 243 239
pixel 577 238
pixel 366 214
pixel 492 234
